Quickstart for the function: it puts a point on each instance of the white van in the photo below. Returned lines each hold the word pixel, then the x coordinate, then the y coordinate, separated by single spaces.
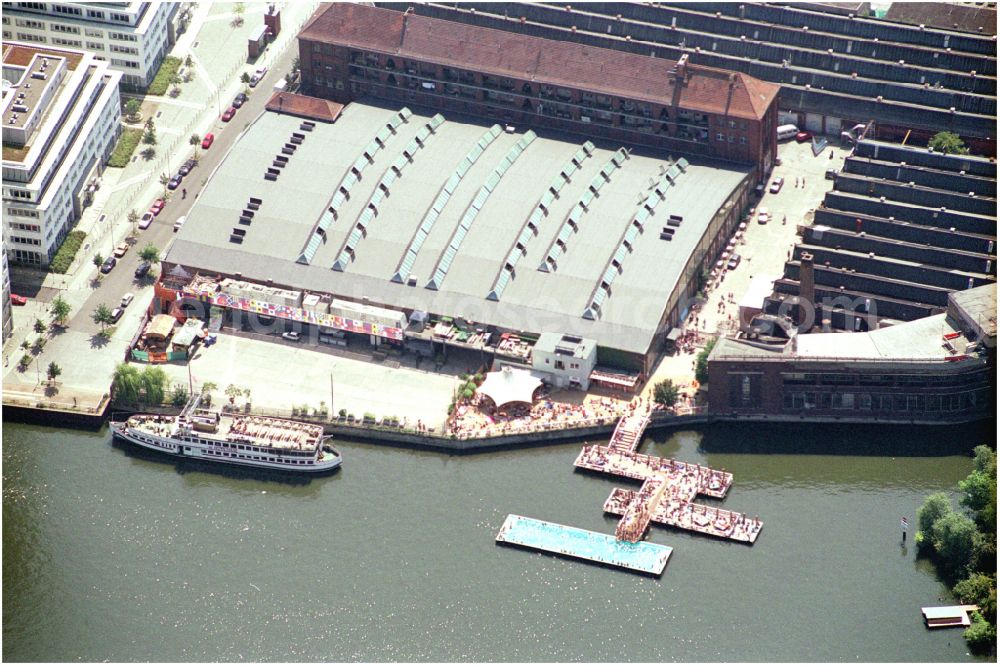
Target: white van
pixel 787 132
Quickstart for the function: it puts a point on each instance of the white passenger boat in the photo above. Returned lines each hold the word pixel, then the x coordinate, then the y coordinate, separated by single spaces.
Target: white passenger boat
pixel 253 441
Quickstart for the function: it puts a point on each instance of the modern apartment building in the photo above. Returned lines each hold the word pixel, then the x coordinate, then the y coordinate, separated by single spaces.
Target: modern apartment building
pixel 61 113
pixel 350 51
pixel 132 37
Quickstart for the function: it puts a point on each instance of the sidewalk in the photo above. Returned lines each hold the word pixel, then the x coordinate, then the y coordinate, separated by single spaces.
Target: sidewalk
pixel 218 52
pixel 765 251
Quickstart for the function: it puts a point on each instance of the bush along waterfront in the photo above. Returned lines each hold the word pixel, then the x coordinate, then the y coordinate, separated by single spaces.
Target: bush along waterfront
pixel 963 545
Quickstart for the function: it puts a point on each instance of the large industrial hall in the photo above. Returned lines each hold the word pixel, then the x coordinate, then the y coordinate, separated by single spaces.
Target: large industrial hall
pixel 384 213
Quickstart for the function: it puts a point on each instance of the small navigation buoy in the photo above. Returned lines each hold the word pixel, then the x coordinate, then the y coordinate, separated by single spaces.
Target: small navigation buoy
pixel 904 524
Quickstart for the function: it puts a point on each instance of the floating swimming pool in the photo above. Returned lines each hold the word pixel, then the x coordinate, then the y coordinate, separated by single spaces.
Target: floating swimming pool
pixel 573 542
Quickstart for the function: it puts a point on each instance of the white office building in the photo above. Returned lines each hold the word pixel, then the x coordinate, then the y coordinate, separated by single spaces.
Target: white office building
pixel 8 316
pixel 132 37
pixel 61 118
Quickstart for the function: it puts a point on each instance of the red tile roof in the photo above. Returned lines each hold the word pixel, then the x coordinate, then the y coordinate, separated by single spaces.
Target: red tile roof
pixel 303 105
pixel 555 62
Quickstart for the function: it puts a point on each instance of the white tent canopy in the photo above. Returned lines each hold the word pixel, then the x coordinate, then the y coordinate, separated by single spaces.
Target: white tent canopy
pixel 510 385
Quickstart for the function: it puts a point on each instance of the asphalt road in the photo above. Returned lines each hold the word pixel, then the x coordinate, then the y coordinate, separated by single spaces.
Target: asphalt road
pixel 122 278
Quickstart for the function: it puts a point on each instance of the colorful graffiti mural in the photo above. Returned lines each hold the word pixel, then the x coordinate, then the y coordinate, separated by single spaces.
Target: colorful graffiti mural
pixel 225 300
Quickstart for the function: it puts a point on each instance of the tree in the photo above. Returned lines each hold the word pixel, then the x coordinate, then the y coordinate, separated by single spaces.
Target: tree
pixel 150 253
pixel 981 635
pixel 296 63
pixel 40 326
pixel 148 153
pixel 164 180
pixel 980 489
pixel 60 310
pixel 245 78
pixel 53 371
pixel 24 362
pixel 206 392
pixel 979 589
pixel 133 219
pixel 102 316
pixel 97 260
pixel 936 506
pixel 125 384
pixel 132 108
pixel 665 393
pixel 701 363
pixel 179 395
pixel 189 61
pixel 954 540
pixel 238 9
pixel 948 143
pixel 194 140
pixel 233 391
pixel 149 137
pixel 153 381
pixel 150 124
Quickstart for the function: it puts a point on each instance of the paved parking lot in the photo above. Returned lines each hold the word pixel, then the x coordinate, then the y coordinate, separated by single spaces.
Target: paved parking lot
pixel 281 375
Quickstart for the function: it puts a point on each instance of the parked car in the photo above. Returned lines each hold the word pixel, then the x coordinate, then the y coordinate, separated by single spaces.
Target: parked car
pixel 257 76
pixel 143 269
pixel 187 166
pixel 802 137
pixel 108 264
pixel 116 314
pixel 831 174
pixel 763 215
pixel 734 261
pixel 228 114
pixel 175 182
pixel 147 219
pixel 157 206
pixel 239 100
pixel 18 300
pixel 180 222
pixel 776 185
pixel 126 299
pixel 206 143
pixel 291 335
pixel 121 249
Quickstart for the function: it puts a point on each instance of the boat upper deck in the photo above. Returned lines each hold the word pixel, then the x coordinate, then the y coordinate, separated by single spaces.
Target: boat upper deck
pixel 271 432
pixel 262 431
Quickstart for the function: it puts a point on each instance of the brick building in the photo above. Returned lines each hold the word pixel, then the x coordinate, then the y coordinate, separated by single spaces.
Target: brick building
pixel 349 51
pixel 938 369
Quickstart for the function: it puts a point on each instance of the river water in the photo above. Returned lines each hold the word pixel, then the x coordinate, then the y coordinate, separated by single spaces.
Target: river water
pixel 113 555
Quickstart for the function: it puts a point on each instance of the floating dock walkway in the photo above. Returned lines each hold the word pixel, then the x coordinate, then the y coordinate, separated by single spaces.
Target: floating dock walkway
pixel 645 557
pixel 695 517
pixel 666 497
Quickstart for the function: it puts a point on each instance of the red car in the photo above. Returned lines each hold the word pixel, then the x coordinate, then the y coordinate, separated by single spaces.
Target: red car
pixel 802 137
pixel 157 206
pixel 206 143
pixel 18 300
pixel 228 114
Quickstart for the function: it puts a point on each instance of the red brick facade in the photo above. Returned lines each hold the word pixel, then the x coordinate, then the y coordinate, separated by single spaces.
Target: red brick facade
pixel 351 51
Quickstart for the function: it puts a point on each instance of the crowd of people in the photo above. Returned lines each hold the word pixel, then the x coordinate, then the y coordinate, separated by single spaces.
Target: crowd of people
pixel 479 417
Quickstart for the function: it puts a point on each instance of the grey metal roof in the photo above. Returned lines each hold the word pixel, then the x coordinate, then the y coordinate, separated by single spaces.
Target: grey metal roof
pixel 532 300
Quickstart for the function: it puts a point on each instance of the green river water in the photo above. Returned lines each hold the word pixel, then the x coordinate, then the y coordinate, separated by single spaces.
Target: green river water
pixel 113 555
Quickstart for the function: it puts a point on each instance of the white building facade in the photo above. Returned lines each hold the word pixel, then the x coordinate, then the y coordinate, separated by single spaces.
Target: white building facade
pixel 133 37
pixel 61 113
pixel 566 360
pixel 8 316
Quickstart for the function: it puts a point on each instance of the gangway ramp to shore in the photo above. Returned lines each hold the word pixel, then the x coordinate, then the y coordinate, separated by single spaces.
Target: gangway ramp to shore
pixel 644 557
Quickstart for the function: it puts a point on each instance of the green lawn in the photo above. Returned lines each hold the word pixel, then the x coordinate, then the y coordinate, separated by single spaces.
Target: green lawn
pixel 67 251
pixel 125 147
pixel 161 81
